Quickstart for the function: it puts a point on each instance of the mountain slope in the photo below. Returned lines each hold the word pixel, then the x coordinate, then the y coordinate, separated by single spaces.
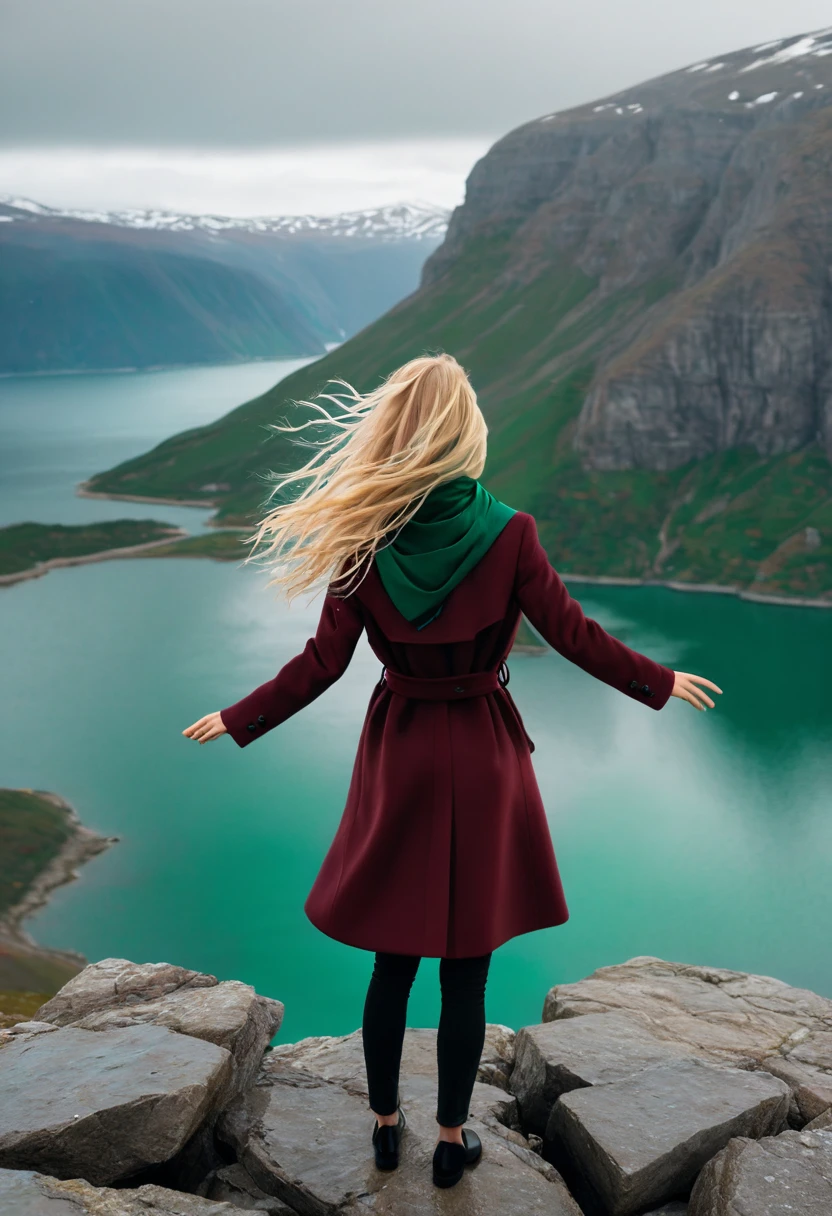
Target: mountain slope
pixel 82 290
pixel 640 289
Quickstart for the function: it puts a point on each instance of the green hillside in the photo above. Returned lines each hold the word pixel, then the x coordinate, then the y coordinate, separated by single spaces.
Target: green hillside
pixel 33 830
pixel 115 304
pixel 532 349
pixel 24 546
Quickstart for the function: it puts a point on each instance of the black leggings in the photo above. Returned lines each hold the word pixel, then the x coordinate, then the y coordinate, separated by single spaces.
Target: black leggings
pixel 459 1041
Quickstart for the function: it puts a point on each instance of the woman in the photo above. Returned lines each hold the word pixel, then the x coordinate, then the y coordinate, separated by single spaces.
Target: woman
pixel 443 849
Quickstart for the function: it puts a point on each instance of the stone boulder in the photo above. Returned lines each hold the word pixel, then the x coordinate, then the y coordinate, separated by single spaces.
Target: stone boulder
pixel 822 1122
pixel 303 1134
pixel 116 981
pixel 234 1184
pixel 806 1066
pixel 553 1058
pixel 24 1193
pixel 21 1030
pixel 642 1140
pixel 105 1104
pixel 786 1175
pixel 750 1021
pixel 341 1057
pixel 116 992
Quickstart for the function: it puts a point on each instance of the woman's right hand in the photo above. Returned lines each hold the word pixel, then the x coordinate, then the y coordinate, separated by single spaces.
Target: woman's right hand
pixel 687 688
pixel 207 728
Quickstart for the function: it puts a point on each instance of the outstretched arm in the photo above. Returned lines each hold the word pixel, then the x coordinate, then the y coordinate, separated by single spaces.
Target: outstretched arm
pixel 544 599
pixel 323 660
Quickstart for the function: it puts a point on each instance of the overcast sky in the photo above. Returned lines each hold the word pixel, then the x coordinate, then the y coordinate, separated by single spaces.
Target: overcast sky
pixel 122 87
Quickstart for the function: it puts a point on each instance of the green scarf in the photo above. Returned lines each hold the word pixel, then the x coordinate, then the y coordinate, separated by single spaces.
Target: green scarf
pixel 454 527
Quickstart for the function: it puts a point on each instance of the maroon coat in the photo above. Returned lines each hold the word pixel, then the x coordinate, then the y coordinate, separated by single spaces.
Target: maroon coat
pixel 443 849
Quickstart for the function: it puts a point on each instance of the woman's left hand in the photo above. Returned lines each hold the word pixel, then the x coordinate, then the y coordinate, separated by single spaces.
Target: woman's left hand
pixel 207 728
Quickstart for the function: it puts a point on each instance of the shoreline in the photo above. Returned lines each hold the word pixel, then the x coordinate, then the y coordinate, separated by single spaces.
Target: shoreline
pixel 608 580
pixel 83 559
pixel 41 374
pixel 207 503
pixel 601 580
pixel 81 845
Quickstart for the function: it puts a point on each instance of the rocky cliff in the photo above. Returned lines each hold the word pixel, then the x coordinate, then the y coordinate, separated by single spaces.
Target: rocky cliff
pixel 640 289
pixel 648 1087
pixel 720 178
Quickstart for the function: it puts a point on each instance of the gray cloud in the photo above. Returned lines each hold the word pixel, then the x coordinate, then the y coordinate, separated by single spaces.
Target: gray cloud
pixel 264 72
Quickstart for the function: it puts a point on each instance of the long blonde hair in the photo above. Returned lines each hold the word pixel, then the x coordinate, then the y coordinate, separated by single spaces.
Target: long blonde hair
pixel 391 447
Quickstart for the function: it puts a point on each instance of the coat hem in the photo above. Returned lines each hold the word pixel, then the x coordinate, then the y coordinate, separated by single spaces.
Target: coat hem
pixel 389 948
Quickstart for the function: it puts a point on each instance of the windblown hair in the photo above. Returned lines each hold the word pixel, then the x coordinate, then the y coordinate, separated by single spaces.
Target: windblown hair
pixel 389 449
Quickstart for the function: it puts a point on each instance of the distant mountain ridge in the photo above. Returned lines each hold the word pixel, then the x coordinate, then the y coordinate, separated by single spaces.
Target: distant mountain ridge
pixel 88 290
pixel 399 221
pixel 640 288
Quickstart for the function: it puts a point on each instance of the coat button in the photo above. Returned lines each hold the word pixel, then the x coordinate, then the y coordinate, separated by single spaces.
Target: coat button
pixel 251 727
pixel 647 690
pixel 634 684
pixel 261 720
pixel 459 688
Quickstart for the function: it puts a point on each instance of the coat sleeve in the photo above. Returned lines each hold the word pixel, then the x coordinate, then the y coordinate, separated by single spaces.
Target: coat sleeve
pixel 544 599
pixel 323 660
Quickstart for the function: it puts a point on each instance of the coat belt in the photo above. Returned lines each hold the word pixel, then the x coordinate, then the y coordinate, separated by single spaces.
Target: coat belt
pixel 443 688
pixel 456 688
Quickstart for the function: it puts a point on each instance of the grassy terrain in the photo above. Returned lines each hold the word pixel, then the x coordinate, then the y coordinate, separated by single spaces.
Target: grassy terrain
pixel 222 546
pixel 22 546
pixel 32 831
pixel 16 1006
pixel 531 349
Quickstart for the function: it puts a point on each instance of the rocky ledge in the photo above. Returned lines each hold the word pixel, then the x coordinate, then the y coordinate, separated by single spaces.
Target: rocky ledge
pixel 648 1087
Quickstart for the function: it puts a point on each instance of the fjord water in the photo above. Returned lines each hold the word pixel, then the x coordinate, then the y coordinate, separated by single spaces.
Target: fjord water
pixel 704 838
pixel 56 431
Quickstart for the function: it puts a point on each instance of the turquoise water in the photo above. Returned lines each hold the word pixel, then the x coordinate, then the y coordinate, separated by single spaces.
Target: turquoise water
pixel 703 838
pixel 56 431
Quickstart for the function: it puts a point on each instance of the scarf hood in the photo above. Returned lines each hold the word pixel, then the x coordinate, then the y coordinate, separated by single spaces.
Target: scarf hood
pixel 452 530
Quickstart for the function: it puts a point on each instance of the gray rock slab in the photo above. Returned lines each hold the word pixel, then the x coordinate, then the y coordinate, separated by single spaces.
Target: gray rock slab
pixel 643 1140
pixel 341 1057
pixel 750 1021
pixel 785 1175
pixel 810 1085
pixel 30 1028
pixel 234 1184
pixel 103 1104
pixel 341 1060
pixel 26 1193
pixel 117 981
pixel 822 1122
pixel 116 992
pixel 729 1014
pixel 305 1138
pixel 676 1208
pixel 553 1058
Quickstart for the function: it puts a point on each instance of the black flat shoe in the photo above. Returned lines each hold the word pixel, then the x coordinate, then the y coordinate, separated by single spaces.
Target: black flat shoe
pixel 450 1160
pixel 386 1137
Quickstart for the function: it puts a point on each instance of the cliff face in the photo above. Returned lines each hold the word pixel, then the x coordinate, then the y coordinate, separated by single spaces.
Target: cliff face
pixel 717 178
pixel 640 290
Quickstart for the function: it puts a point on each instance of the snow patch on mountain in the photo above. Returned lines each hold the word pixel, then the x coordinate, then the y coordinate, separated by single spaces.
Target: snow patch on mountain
pixel 810 44
pixel 786 71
